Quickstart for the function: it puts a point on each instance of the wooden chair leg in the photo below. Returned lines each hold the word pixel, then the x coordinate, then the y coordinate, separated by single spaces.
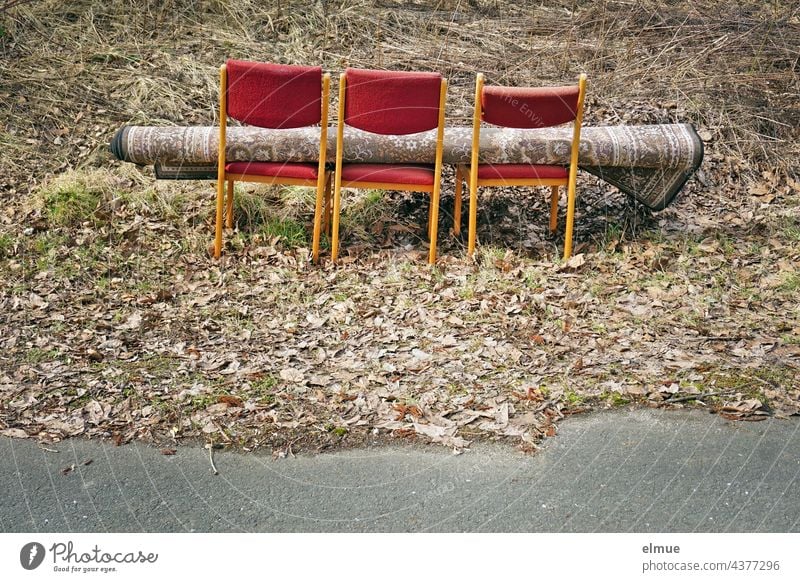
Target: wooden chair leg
pixel 570 220
pixel 473 218
pixel 554 209
pixel 230 205
pixel 430 215
pixel 218 222
pixel 434 220
pixel 337 203
pixel 457 205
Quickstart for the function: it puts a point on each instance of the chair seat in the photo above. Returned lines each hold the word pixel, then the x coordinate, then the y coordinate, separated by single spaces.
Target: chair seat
pixel 521 172
pixel 274 169
pixel 389 173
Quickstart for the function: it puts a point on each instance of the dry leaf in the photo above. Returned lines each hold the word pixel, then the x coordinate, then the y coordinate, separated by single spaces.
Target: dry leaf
pixel 292 375
pixel 134 321
pixel 230 400
pixel 16 433
pixel 573 263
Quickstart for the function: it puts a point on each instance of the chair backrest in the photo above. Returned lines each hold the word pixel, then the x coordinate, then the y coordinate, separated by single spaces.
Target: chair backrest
pixel 529 107
pixel 392 102
pixel 274 96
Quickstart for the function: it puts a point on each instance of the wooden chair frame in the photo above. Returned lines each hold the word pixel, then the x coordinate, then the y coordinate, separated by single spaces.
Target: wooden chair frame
pixel 434 189
pixel 322 183
pixel 554 183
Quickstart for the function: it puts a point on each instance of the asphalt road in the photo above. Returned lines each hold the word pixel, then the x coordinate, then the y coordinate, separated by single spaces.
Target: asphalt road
pixel 638 471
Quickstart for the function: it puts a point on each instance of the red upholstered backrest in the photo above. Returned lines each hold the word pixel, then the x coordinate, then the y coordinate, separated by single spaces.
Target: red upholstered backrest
pixel 274 96
pixel 528 107
pixel 392 102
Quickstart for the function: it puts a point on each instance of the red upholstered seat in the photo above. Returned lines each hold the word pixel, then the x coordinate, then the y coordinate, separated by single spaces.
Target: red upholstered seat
pixel 521 171
pixel 529 107
pixel 392 102
pixel 274 169
pixel 389 173
pixel 274 96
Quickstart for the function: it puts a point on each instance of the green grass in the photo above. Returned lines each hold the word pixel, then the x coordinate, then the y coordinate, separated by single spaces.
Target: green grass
pixel 291 232
pixel 298 199
pixel 489 255
pixel 6 245
pixel 54 252
pixel 364 209
pixel 611 237
pixel 80 401
pixel 263 389
pixel 273 214
pixel 89 256
pixel 655 235
pixel 572 398
pixel 726 244
pixel 691 246
pixel 534 278
pixel 791 229
pixel 467 291
pixel 250 210
pixel 70 202
pixel 751 383
pixel 203 401
pixel 791 282
pixel 38 355
pixel 45 249
pixel 164 204
pixel 615 399
pixel 599 328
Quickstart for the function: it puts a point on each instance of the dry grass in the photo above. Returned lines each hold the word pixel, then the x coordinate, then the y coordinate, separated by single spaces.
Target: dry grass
pixel 73 74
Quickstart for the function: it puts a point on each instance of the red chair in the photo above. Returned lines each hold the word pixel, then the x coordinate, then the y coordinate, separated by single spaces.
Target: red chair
pixel 524 108
pixel 390 103
pixel 275 97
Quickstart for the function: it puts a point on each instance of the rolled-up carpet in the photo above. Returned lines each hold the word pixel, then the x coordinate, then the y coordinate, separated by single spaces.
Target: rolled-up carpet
pixel 649 162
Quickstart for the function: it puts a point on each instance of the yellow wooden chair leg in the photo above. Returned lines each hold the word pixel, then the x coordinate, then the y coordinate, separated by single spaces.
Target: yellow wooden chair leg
pixel 434 219
pixel 218 222
pixel 570 220
pixel 337 202
pixel 318 209
pixel 229 211
pixel 457 204
pixel 223 116
pixel 554 209
pixel 473 217
pixel 430 215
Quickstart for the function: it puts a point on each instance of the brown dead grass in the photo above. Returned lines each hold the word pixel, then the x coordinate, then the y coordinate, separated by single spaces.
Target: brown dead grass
pixel 73 73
